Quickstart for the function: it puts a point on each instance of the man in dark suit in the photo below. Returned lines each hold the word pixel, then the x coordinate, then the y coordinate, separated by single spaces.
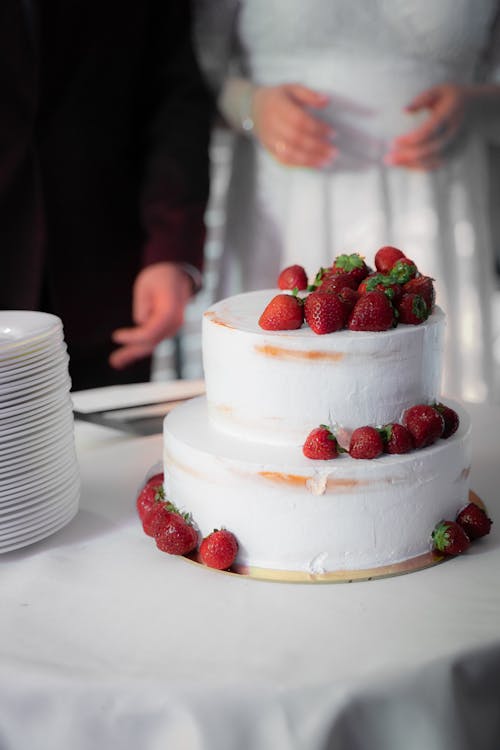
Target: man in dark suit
pixel 104 126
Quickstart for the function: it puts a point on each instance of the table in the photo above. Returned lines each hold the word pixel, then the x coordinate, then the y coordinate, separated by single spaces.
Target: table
pixel 105 642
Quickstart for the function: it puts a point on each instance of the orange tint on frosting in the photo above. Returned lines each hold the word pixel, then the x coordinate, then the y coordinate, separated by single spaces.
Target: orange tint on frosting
pixel 224 408
pixel 296 480
pixel 281 353
pixel 336 483
pixel 171 461
pixel 218 321
pixel 293 479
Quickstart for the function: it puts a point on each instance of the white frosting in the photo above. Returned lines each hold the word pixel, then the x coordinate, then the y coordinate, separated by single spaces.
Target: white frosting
pixel 275 386
pixel 291 513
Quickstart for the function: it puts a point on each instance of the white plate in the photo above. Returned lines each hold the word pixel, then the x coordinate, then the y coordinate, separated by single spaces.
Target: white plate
pixel 66 475
pixel 26 379
pixel 46 431
pixel 30 518
pixel 35 349
pixel 24 433
pixel 39 517
pixel 42 533
pixel 27 413
pixel 20 327
pixel 30 460
pixel 59 381
pixel 38 473
pixel 52 494
pixel 31 360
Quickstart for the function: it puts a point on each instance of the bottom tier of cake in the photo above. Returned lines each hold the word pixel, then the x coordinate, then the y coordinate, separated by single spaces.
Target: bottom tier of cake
pixel 290 513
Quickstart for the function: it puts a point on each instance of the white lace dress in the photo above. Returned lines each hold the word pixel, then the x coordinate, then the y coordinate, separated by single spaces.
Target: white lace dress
pixel 372 57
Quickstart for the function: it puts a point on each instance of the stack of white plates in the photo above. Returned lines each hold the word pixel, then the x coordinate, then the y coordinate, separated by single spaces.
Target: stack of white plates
pixel 39 476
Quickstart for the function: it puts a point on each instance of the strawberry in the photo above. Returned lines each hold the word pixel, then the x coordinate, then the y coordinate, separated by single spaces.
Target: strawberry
pixel 372 312
pixel 324 312
pixel 451 419
pixel 293 277
pixel 412 309
pixel 366 442
pixel 386 257
pixel 175 535
pixel 384 284
pixel 425 424
pixel 150 516
pixel 474 521
pixel 149 497
pixel 159 518
pixel 348 297
pixel 403 270
pixel 156 479
pixel 335 282
pixel 285 312
pixel 219 549
pixel 321 444
pixel 450 538
pixel 424 286
pixel 353 265
pixel 397 438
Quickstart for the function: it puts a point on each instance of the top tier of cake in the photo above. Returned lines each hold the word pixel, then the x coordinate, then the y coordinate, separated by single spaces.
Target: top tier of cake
pixel 276 386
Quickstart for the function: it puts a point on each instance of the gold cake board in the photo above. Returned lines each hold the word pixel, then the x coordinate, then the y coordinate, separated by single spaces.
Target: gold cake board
pixel 421 562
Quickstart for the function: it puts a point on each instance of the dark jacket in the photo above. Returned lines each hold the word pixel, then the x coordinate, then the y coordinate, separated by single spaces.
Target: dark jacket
pixel 104 126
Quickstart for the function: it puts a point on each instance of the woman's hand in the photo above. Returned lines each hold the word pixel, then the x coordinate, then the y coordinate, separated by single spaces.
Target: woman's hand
pixel 425 147
pixel 161 292
pixel 283 124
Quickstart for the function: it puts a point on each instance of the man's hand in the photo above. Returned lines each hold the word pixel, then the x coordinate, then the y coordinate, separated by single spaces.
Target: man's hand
pixel 161 292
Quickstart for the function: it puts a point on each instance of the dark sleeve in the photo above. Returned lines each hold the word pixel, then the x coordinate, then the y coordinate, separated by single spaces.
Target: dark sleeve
pixel 176 136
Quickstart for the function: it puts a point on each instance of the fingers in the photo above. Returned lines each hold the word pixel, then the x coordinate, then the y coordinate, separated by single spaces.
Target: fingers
pixel 127 355
pixel 307 96
pixel 301 140
pixel 140 341
pixel 424 100
pixel 161 292
pixel 292 134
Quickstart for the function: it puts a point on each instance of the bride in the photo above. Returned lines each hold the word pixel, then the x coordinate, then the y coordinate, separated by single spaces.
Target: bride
pixel 360 125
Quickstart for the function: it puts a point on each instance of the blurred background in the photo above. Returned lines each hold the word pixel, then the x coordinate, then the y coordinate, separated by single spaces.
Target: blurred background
pixel 181 357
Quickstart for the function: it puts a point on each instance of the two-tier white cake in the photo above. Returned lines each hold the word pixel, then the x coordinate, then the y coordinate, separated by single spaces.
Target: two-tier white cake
pixel 234 458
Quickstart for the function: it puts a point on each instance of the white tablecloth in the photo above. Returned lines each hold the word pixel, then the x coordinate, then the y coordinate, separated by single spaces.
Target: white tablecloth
pixel 105 642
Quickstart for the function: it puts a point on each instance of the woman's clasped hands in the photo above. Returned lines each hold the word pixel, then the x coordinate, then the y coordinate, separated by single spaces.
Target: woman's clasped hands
pixel 286 126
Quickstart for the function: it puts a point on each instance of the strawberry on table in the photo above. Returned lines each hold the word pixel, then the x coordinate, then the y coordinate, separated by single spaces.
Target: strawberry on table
pixel 156 479
pixel 219 549
pixel 366 442
pixel 412 309
pixel 324 312
pixel 397 438
pixel 372 312
pixel 175 535
pixel 425 424
pixel 451 419
pixel 424 286
pixel 386 257
pixel 285 312
pixel 450 538
pixel 293 277
pixel 474 521
pixel 149 497
pixel 321 444
pixel 353 264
